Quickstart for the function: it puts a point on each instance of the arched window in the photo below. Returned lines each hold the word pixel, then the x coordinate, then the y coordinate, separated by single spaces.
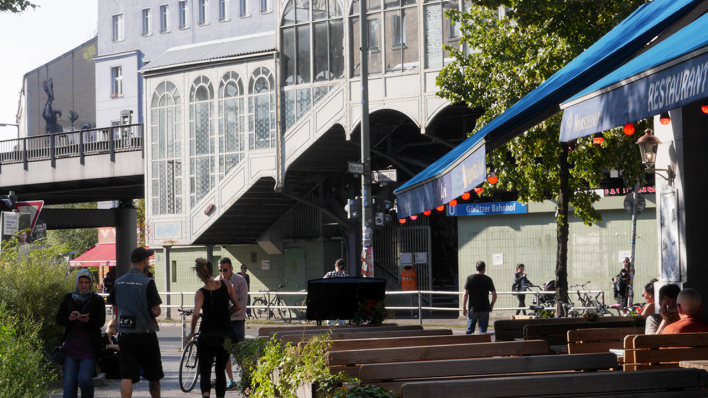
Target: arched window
pixel 202 143
pixel 232 134
pixel 301 21
pixel 261 109
pixel 166 144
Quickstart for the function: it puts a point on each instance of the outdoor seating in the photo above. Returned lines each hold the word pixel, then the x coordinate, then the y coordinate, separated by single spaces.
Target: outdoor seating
pixel 398 342
pixel 558 334
pixel 661 351
pixel 359 329
pixel 373 334
pixel 661 383
pixel 392 376
pixel 511 329
pixel 584 341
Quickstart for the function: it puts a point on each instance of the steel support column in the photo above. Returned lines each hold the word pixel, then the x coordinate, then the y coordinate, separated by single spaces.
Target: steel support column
pixel 126 236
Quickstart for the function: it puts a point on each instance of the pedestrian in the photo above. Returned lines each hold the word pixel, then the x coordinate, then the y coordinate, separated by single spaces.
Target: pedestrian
pixel 136 305
pixel 109 280
pixel 82 313
pixel 668 313
pixel 109 363
pixel 477 289
pixel 622 283
pixel 213 298
pixel 521 282
pixel 244 273
pixel 340 271
pixel 689 308
pixel 238 319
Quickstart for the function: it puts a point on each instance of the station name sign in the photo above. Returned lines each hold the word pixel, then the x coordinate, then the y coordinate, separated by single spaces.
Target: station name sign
pixel 486 209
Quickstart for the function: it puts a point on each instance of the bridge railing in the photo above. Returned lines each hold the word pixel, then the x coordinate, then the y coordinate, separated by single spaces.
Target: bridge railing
pixel 98 141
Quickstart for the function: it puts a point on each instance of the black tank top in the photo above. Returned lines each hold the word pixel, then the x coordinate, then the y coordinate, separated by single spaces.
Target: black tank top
pixel 215 309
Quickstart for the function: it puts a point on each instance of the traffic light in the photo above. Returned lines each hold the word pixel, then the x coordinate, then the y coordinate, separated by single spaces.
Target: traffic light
pixel 353 208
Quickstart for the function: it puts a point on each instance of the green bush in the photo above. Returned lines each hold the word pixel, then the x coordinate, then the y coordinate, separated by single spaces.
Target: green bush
pixel 32 286
pixel 23 372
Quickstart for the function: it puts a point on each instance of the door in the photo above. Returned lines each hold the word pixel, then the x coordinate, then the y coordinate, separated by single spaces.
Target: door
pixel 416 241
pixel 295 270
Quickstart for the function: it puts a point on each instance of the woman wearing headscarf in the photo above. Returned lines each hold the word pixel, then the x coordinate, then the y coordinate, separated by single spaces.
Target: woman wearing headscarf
pixel 82 313
pixel 213 299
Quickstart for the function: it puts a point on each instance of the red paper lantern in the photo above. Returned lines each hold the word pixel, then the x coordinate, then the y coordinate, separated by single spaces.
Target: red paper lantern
pixel 571 145
pixel 492 179
pixel 427 212
pixel 629 128
pixel 478 190
pixel 665 118
pixel 598 139
pixel 466 195
pixel 453 202
pixel 402 220
pixel 413 218
pixel 704 105
pixel 440 208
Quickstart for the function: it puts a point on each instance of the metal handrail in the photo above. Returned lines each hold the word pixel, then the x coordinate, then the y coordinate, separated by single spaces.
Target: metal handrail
pixel 97 141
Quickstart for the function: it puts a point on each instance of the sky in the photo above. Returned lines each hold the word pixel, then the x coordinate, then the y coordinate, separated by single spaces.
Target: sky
pixel 35 37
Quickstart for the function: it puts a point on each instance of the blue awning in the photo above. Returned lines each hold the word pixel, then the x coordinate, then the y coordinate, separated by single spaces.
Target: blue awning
pixel 439 183
pixel 668 76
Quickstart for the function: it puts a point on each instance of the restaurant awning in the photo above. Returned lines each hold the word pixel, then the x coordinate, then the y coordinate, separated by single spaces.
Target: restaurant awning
pixel 99 255
pixel 464 167
pixel 668 76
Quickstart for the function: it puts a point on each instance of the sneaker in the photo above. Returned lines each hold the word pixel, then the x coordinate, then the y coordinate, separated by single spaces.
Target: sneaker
pixel 230 385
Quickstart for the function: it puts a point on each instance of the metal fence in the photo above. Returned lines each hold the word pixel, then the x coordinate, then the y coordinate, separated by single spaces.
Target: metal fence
pixel 100 141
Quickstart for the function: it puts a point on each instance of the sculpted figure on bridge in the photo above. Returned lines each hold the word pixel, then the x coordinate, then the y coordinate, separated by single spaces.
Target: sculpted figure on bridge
pixel 49 114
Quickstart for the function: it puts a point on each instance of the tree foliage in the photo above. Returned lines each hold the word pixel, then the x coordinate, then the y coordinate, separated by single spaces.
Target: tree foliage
pixel 512 57
pixel 15 6
pixel 509 58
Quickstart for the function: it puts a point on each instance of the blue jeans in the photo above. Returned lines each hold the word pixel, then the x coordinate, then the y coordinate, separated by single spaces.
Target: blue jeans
pixel 472 318
pixel 78 373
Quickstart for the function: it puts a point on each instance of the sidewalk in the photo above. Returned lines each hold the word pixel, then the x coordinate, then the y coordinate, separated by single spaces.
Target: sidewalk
pixel 170 343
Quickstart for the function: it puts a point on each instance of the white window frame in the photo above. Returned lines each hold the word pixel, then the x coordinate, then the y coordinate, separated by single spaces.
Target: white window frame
pixel 164 18
pixel 146 19
pixel 224 11
pixel 203 17
pixel 118 32
pixel 243 9
pixel 266 6
pixel 116 81
pixel 183 10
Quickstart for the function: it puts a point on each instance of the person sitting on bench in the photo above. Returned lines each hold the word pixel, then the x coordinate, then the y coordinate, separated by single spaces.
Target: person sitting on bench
pixel 667 305
pixel 689 309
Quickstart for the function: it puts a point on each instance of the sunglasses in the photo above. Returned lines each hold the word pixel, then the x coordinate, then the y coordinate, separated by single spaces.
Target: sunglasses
pixel 223 270
pixel 244 268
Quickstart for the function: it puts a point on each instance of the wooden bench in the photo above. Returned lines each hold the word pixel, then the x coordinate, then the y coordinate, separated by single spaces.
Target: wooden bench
pixel 663 383
pixel 392 376
pixel 349 361
pixel 512 329
pixel 661 351
pixel 558 334
pixel 297 338
pixel 585 341
pixel 269 330
pixel 398 342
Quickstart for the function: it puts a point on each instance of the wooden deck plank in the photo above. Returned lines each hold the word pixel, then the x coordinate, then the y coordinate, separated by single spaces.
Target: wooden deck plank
pixel 414 341
pixel 295 339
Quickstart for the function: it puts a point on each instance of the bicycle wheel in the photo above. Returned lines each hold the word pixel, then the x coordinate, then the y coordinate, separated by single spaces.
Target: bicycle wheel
pixel 259 313
pixel 189 367
pixel 284 313
pixel 301 312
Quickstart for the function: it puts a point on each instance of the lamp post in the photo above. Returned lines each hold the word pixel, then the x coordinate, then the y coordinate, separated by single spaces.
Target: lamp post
pixel 10 124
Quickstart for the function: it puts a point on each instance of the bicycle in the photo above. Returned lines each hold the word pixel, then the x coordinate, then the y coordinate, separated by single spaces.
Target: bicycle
pixel 189 363
pixel 590 304
pixel 301 313
pixel 265 312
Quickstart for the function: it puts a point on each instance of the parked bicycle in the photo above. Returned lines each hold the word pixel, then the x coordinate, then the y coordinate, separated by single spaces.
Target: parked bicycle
pixel 267 310
pixel 301 313
pixel 588 303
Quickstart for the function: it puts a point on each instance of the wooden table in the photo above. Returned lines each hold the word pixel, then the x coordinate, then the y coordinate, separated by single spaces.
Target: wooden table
pixel 694 364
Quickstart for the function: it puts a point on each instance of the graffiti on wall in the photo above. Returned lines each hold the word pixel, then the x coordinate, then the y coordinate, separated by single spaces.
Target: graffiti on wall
pixel 51 115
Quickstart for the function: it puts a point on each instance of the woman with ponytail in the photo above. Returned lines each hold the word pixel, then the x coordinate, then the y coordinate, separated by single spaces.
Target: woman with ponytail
pixel 213 299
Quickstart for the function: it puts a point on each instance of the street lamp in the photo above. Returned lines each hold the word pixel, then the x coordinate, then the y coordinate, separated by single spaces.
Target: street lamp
pixel 9 124
pixel 648 146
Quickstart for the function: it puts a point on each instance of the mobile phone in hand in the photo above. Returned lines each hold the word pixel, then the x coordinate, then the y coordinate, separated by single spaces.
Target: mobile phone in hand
pixel 84 315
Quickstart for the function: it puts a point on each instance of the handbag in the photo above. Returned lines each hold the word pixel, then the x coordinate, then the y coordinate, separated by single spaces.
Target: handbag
pixel 59 352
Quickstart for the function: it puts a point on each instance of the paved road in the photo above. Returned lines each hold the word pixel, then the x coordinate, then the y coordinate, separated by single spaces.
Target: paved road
pixel 170 343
